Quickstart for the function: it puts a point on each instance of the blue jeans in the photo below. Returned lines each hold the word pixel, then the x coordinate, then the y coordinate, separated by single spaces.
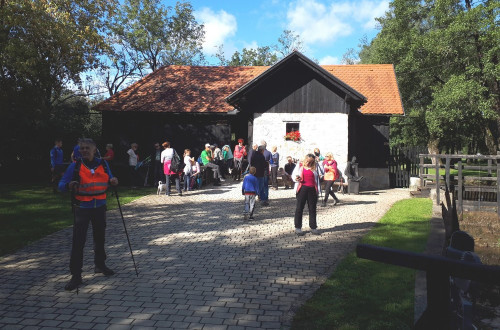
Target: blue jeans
pixel 177 183
pixel 264 188
pixel 187 182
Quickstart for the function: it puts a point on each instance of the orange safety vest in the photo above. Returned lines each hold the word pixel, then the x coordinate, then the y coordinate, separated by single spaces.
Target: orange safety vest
pixel 93 183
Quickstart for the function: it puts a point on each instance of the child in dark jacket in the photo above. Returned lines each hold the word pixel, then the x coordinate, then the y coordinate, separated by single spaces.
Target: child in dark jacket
pixel 250 189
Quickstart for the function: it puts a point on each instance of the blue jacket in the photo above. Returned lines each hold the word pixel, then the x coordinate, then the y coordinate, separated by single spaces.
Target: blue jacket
pixel 69 176
pixel 250 184
pixel 56 156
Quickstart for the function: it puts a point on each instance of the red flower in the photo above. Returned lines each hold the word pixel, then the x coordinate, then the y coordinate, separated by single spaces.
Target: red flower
pixel 293 136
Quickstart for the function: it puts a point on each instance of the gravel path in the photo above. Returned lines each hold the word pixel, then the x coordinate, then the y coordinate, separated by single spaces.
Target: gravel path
pixel 201 266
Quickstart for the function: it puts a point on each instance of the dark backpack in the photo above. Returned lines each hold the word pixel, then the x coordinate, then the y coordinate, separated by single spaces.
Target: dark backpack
pixel 176 165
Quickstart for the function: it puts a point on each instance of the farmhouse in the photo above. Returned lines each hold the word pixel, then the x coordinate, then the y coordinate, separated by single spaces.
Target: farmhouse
pixel 344 109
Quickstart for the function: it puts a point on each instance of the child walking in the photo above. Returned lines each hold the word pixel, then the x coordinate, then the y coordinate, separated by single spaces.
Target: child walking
pixel 250 189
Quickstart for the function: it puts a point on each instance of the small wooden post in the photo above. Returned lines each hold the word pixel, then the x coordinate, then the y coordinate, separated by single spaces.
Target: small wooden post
pixel 489 166
pixel 498 186
pixel 460 187
pixel 447 171
pixel 421 171
pixel 438 186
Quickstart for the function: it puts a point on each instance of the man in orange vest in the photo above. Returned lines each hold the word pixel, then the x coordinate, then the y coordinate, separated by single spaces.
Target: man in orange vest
pixel 88 179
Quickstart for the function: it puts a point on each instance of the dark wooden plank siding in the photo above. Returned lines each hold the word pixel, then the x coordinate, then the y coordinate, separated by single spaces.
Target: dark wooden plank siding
pixel 369 140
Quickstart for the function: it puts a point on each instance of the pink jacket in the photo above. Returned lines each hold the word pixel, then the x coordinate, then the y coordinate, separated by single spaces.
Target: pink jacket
pixel 239 153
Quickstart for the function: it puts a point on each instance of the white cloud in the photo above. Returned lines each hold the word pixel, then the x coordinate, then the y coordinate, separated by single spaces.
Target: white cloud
pixel 218 28
pixel 329 60
pixel 319 23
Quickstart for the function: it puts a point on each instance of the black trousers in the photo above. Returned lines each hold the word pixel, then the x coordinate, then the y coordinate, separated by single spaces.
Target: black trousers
pixel 309 195
pixel 329 191
pixel 82 218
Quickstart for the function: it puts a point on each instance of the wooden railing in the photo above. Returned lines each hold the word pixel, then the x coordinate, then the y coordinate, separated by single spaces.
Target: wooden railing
pixel 461 182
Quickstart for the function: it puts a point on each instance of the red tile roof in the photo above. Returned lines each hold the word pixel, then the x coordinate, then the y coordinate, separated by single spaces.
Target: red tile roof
pixel 198 89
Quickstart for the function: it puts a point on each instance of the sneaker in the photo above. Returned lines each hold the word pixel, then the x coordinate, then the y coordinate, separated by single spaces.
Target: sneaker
pixel 103 269
pixel 299 232
pixel 251 217
pixel 75 281
pixel 335 202
pixel 315 232
pixel 222 179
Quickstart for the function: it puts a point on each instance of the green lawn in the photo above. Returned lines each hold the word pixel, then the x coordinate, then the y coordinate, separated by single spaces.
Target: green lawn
pixel 363 294
pixel 30 212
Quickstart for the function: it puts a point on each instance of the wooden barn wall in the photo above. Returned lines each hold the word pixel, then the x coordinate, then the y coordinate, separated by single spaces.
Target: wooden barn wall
pixel 369 140
pixel 295 90
pixel 184 131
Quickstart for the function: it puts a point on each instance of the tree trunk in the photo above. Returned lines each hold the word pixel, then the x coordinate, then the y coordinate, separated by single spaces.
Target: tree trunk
pixel 490 141
pixel 433 148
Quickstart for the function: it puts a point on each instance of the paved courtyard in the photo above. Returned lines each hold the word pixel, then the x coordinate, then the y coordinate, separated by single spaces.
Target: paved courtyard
pixel 201 266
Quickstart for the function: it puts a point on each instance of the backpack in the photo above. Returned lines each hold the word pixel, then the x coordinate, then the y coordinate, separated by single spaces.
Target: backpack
pixel 175 165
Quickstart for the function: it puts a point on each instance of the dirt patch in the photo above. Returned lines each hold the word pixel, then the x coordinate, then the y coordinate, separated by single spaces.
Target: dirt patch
pixel 485 228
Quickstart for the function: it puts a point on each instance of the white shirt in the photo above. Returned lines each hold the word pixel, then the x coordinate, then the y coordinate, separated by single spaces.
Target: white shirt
pixel 167 154
pixel 132 158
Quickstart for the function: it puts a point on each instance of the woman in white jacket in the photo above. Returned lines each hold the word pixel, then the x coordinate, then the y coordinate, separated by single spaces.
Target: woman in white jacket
pixel 307 188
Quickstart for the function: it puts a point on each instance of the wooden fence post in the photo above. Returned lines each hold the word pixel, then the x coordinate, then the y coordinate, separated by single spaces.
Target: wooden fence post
pixel 421 171
pixel 460 187
pixel 498 185
pixel 447 171
pixel 438 188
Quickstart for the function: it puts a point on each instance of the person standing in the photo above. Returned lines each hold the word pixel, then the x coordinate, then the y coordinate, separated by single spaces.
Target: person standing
pixel 239 153
pixel 187 170
pixel 259 162
pixel 75 155
pixel 133 159
pixel 331 174
pixel 56 164
pixel 264 193
pixel 289 167
pixel 158 166
pixel 274 167
pixel 207 160
pixel 307 188
pixel 166 158
pixel 249 189
pixel 88 179
pixel 255 147
pixel 109 155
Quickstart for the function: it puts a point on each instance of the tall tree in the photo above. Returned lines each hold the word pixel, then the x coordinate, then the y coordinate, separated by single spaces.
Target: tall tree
pixel 44 47
pixel 254 57
pixel 446 58
pixel 160 35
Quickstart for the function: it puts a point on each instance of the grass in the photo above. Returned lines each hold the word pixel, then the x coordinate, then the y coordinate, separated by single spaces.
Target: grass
pixel 30 212
pixel 363 294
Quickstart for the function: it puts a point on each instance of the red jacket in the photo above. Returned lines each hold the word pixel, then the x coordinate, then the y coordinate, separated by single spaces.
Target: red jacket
pixel 239 152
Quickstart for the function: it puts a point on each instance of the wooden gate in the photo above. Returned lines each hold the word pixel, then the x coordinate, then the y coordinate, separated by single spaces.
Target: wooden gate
pixel 404 163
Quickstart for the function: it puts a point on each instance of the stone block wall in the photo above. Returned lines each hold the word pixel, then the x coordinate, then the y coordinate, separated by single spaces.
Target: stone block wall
pixel 326 131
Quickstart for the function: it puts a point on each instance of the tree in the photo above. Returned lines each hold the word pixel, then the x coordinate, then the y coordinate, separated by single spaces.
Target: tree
pixel 253 57
pixel 446 58
pixel 287 43
pixel 159 35
pixel 44 47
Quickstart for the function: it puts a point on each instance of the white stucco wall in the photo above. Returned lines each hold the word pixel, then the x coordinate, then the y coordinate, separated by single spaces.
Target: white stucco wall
pixel 326 131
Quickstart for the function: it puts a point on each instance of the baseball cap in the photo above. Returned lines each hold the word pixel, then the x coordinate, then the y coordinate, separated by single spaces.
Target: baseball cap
pixel 207 145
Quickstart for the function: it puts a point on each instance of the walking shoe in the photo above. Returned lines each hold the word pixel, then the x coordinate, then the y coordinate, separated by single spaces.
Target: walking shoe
pixel 75 281
pixel 222 179
pixel 251 217
pixel 335 202
pixel 103 269
pixel 216 184
pixel 315 232
pixel 323 204
pixel 265 203
pixel 299 232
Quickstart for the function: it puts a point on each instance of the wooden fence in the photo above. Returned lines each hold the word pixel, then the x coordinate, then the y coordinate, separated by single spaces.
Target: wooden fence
pixel 403 164
pixel 471 191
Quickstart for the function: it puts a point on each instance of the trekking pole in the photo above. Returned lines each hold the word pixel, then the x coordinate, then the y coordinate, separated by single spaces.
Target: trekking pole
pixel 124 227
pixel 73 209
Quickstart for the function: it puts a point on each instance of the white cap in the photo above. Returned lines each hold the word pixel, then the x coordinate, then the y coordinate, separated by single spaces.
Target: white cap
pixel 207 145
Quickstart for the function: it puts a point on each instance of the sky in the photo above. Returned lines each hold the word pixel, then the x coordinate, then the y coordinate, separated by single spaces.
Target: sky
pixel 327 28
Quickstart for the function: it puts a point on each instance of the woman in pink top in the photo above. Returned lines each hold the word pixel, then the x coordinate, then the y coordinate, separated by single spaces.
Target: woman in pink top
pixel 307 188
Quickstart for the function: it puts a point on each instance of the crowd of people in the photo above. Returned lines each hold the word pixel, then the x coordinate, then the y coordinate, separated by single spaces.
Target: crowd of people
pixel 89 175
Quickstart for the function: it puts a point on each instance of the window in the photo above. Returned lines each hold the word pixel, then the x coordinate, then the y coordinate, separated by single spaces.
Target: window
pixel 292 132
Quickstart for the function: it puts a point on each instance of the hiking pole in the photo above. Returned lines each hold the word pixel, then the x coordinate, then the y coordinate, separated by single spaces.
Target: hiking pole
pixel 124 227
pixel 73 208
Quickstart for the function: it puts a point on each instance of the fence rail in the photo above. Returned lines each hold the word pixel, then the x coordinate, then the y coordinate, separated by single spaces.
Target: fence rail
pixel 484 190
